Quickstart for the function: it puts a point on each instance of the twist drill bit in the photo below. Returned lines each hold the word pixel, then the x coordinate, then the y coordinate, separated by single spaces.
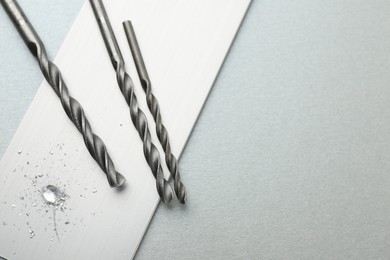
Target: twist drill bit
pixel 72 107
pixel 127 88
pixel 154 108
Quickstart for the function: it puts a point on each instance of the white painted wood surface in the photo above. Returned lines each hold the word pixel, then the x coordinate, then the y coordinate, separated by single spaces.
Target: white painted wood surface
pixel 184 44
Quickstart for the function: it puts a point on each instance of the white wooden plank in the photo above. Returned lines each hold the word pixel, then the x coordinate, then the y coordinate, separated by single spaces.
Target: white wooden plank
pixel 184 44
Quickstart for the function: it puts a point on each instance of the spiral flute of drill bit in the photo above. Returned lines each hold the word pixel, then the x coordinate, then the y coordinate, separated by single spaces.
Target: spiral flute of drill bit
pixel 170 159
pixel 126 86
pixel 154 108
pixel 140 122
pixel 162 135
pixel 72 107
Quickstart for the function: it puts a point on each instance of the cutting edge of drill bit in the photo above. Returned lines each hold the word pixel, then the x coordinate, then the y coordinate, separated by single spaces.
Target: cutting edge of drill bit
pixel 154 108
pixel 72 107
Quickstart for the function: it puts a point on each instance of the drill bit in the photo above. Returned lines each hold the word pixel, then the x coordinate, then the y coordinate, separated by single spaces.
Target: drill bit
pixel 126 86
pixel 72 107
pixel 154 108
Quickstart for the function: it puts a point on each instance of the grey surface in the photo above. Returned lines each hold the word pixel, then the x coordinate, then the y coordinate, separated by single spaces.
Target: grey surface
pixel 290 156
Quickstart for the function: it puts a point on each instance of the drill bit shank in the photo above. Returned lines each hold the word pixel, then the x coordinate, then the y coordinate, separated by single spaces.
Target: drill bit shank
pixel 72 107
pixel 154 108
pixel 126 86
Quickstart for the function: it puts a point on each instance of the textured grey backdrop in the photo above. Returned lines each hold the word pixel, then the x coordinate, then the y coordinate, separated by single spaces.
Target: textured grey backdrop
pixel 290 156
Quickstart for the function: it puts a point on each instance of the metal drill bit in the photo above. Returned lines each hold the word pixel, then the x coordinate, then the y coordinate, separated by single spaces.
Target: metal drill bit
pixel 154 108
pixel 72 107
pixel 127 88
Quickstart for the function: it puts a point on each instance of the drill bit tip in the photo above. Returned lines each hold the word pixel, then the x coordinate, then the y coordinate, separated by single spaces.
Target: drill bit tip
pixel 118 181
pixel 167 194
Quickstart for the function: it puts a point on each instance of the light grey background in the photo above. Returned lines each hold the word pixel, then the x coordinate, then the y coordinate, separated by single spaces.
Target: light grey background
pixel 290 158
